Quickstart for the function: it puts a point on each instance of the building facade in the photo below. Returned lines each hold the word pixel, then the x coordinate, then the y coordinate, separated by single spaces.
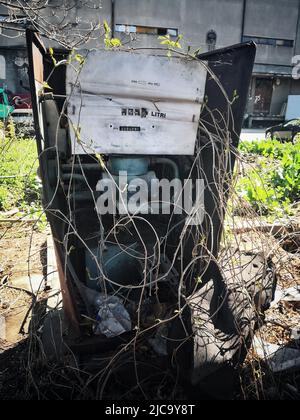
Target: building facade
pixel 205 25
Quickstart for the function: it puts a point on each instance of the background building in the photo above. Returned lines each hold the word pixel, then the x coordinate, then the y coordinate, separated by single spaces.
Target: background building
pixel 205 24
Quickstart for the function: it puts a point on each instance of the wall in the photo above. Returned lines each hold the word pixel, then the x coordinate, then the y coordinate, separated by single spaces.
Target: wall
pixel 271 18
pixel 276 19
pixel 72 21
pixel 10 38
pixel 193 19
pixel 77 20
pixel 16 64
pixel 77 23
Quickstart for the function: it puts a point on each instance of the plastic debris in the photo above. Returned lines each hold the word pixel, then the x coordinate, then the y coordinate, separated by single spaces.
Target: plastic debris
pixel 278 358
pixel 295 333
pixel 112 318
pixel 291 295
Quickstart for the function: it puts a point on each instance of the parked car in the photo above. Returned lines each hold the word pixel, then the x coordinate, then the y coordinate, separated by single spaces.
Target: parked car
pixel 286 131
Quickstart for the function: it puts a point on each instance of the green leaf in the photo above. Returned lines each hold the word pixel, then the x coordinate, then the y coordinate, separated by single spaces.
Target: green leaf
pixel 116 42
pixel 80 59
pixel 112 43
pixel 46 86
pixel 77 132
pixel 165 37
pixel 106 27
pixel 165 42
pixel 51 52
pixel 100 160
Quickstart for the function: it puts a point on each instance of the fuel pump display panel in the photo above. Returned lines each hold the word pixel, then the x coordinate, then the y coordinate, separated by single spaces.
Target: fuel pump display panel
pixel 130 103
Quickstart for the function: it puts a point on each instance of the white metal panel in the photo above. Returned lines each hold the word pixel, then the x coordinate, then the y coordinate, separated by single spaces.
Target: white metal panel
pixel 128 103
pixel 293 107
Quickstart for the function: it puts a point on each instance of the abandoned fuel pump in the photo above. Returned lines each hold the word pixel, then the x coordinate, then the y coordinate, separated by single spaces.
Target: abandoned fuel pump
pixel 136 154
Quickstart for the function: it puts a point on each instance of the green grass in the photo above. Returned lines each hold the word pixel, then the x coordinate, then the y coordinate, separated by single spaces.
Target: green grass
pixel 19 184
pixel 271 184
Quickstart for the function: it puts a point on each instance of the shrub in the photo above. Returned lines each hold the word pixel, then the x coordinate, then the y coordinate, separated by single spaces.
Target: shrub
pixel 19 186
pixel 271 184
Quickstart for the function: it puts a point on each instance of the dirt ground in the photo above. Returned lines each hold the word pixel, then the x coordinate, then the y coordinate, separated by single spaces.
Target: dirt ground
pixel 258 381
pixel 22 254
pixel 23 251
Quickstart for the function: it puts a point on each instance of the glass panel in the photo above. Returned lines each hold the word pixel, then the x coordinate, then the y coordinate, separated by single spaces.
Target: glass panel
pixel 173 32
pixel 269 41
pixel 146 30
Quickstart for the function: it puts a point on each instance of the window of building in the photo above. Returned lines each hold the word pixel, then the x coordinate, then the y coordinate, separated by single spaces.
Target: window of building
pixel 149 30
pixel 270 41
pixel 285 42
